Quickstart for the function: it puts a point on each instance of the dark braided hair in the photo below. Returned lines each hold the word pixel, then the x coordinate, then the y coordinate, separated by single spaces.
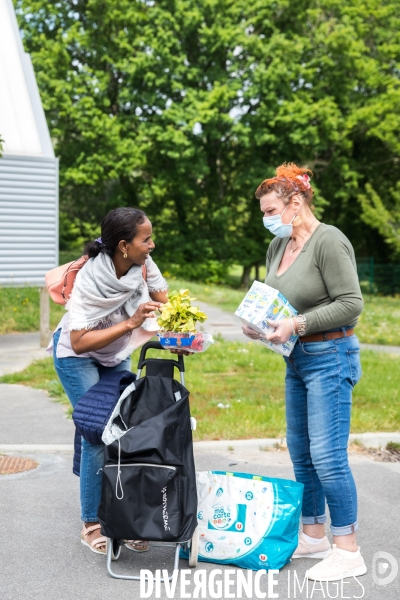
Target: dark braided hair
pixel 119 224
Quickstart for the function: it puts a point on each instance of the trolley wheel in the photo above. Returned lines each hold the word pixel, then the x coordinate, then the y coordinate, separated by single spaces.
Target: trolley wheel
pixel 115 548
pixel 194 549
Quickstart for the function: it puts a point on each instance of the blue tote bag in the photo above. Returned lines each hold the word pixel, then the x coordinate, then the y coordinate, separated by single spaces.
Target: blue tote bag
pixel 247 520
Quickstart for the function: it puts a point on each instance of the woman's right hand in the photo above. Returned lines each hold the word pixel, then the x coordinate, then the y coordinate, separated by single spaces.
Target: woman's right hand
pixel 143 312
pixel 250 333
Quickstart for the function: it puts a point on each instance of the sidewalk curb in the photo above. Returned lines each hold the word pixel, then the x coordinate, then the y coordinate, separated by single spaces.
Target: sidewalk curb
pixel 380 348
pixel 369 440
pixel 376 439
pixel 42 448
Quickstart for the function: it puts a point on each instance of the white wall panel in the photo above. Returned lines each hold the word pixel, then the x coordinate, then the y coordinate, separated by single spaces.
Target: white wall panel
pixel 28 219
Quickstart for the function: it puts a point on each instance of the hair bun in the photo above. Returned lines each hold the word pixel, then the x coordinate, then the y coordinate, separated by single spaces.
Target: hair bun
pixel 292 171
pixel 289 179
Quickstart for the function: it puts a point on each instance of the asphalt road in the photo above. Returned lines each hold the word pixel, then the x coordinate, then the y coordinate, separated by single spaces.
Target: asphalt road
pixel 41 556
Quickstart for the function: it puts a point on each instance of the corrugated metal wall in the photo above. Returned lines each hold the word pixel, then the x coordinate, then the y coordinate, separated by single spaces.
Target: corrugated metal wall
pixel 28 219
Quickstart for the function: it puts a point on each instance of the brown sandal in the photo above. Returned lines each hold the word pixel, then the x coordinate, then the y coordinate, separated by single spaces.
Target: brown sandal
pixel 97 545
pixel 137 545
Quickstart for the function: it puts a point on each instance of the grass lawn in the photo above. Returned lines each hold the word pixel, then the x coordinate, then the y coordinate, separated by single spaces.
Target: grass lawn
pixel 379 322
pixel 20 310
pixel 250 379
pixel 225 298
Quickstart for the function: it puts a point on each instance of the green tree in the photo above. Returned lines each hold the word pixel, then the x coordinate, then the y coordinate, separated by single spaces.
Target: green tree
pixel 386 221
pixel 183 107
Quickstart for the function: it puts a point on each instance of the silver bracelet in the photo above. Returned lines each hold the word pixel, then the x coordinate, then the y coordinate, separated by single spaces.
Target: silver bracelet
pixel 291 323
pixel 301 325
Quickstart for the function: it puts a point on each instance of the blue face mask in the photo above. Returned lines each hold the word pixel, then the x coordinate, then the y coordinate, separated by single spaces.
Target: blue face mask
pixel 276 227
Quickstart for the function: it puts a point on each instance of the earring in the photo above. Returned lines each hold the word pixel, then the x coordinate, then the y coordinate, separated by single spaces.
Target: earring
pixel 297 221
pixel 125 255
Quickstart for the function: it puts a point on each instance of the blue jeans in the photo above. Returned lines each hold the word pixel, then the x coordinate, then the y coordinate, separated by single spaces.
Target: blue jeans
pixel 77 375
pixel 320 377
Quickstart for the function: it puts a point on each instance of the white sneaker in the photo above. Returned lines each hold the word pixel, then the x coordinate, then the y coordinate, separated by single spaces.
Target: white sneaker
pixel 307 550
pixel 338 565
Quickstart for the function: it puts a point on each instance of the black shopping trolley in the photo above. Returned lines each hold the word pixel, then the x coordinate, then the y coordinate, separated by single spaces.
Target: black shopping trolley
pixel 149 481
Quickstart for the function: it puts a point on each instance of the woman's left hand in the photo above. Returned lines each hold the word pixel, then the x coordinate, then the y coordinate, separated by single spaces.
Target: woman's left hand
pixel 283 331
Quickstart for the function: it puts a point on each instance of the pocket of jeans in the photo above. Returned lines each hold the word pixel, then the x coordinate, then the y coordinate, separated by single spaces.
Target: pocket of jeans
pixel 353 356
pixel 318 348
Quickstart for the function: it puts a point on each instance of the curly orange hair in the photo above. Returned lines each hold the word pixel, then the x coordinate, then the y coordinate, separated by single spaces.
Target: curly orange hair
pixel 289 180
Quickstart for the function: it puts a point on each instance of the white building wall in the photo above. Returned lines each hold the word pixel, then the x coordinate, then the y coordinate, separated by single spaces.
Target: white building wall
pixel 28 168
pixel 28 219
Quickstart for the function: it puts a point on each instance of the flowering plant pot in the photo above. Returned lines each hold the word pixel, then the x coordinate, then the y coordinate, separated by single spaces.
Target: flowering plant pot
pixel 178 314
pixel 193 341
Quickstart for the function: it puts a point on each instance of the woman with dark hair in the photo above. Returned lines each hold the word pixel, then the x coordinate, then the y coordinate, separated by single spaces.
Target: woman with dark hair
pixel 313 265
pixel 109 313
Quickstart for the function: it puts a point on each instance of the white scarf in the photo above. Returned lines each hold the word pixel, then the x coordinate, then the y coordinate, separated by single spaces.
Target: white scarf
pixel 97 293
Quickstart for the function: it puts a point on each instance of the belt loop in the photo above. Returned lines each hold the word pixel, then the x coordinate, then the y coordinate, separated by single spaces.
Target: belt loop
pixel 325 338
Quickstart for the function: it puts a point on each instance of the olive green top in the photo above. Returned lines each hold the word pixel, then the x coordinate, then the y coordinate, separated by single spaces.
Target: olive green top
pixel 322 282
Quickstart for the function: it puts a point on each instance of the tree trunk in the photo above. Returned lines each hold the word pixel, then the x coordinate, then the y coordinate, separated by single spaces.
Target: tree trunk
pixel 245 281
pixel 257 265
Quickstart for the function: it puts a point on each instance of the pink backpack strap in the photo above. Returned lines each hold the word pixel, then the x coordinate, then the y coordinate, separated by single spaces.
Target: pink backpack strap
pixel 60 281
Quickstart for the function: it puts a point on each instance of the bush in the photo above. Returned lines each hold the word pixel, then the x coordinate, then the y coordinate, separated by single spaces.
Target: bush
pixel 75 234
pixel 210 271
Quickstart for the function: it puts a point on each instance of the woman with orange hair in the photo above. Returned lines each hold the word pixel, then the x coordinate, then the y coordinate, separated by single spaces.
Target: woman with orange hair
pixel 313 265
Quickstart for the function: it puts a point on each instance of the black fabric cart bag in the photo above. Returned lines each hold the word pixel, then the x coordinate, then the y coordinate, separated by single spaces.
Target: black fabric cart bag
pixel 149 480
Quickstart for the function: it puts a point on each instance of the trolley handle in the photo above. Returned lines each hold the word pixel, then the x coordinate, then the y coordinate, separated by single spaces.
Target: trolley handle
pixel 157 346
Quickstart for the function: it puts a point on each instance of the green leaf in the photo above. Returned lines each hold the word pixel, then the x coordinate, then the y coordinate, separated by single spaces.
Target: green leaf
pixel 178 314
